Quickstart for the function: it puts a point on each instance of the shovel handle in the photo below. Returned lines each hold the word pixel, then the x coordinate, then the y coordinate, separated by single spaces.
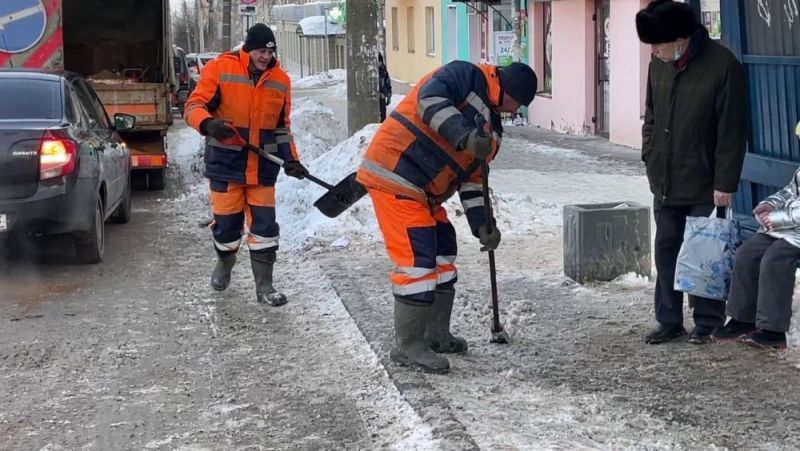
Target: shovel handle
pixel 279 162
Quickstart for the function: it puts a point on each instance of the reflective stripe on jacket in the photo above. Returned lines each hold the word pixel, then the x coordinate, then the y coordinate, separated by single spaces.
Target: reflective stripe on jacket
pixel 259 110
pixel 418 152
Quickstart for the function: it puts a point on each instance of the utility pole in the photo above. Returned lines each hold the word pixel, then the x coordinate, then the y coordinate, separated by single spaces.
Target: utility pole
pixel 201 30
pixel 187 22
pixel 226 25
pixel 362 64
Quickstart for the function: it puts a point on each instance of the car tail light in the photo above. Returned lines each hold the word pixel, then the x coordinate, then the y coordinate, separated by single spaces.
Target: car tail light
pixel 57 157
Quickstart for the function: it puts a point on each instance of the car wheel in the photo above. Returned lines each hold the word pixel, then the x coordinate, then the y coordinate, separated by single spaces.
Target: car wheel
pixel 90 245
pixel 123 213
pixel 156 179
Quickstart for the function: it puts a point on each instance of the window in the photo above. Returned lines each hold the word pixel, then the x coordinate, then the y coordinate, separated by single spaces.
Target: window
pixel 710 17
pixel 30 99
pixel 395 30
pixel 91 106
pixel 430 32
pixel 547 54
pixel 410 28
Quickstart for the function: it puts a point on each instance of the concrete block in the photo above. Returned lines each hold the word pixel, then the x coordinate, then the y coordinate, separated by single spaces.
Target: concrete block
pixel 604 241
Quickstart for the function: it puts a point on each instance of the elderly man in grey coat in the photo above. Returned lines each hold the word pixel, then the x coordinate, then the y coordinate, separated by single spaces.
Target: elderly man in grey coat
pixel 760 301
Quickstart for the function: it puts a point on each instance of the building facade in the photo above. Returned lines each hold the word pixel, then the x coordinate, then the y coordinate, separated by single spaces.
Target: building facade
pixel 592 67
pixel 413 38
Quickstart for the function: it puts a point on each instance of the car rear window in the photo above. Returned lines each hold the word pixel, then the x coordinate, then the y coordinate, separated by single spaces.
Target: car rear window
pixel 30 99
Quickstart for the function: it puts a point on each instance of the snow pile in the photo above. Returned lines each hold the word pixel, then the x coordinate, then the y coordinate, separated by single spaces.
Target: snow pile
pixel 303 225
pixel 185 149
pixel 321 80
pixel 315 128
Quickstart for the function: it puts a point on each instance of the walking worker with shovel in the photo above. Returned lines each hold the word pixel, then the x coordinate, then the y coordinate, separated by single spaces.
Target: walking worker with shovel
pixel 245 94
pixel 431 146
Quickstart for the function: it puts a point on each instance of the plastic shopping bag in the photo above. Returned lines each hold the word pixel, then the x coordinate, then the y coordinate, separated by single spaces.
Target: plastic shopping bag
pixel 705 261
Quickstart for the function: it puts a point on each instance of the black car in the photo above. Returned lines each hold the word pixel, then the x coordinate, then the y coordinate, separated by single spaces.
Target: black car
pixel 63 167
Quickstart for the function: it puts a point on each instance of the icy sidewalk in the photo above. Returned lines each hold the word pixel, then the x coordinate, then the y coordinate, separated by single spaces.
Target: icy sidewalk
pixel 577 374
pixel 301 375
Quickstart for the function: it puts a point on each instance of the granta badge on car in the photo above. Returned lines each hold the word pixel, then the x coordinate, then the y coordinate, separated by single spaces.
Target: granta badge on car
pixel 25 153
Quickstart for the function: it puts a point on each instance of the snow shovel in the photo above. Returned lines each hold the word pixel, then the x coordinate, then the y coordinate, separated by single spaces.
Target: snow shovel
pixel 498 334
pixel 338 198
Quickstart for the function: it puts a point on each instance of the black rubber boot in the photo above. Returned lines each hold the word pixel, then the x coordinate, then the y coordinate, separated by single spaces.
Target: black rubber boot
pixel 221 277
pixel 438 335
pixel 263 263
pixel 410 322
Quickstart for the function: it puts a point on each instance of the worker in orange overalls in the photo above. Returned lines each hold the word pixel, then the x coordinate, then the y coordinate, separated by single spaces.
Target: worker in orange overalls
pixel 430 147
pixel 246 91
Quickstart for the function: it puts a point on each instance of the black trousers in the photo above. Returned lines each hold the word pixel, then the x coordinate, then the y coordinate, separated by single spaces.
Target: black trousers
pixel 383 109
pixel 763 283
pixel 670 224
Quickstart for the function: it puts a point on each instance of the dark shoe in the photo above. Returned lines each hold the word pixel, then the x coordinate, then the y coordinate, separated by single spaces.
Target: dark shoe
pixel 663 334
pixel 732 330
pixel 410 348
pixel 221 277
pixel 700 335
pixel 766 340
pixel 438 335
pixel 263 263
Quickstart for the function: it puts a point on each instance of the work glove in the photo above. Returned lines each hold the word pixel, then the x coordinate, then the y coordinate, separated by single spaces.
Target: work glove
pixel 217 129
pixel 478 144
pixel 295 169
pixel 490 241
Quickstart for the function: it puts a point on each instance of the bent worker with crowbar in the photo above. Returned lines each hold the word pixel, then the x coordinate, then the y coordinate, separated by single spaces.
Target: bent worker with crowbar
pixel 431 146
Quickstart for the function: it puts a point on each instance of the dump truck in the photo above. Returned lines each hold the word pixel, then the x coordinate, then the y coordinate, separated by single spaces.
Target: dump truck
pixel 124 49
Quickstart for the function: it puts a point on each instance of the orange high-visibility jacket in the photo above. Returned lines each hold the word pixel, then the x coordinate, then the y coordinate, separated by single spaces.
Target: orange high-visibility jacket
pixel 259 110
pixel 418 152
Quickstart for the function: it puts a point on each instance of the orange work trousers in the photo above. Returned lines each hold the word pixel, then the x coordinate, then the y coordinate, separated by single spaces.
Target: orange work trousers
pixel 232 204
pixel 422 245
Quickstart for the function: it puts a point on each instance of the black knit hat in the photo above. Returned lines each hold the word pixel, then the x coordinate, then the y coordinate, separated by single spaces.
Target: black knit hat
pixel 518 81
pixel 665 21
pixel 259 36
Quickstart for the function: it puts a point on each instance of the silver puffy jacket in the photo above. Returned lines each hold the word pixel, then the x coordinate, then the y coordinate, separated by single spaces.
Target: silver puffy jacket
pixel 786 216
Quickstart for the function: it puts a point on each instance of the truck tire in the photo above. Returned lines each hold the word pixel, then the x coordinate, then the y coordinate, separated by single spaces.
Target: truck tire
pixel 122 215
pixel 156 179
pixel 90 245
pixel 138 180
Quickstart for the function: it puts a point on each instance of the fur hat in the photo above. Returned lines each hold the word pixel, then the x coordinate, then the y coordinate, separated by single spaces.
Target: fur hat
pixel 519 81
pixel 665 21
pixel 259 36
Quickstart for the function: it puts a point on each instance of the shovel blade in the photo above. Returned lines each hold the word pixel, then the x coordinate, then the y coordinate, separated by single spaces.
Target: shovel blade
pixel 341 197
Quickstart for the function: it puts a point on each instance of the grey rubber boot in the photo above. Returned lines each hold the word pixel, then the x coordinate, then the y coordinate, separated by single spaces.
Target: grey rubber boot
pixel 410 321
pixel 438 335
pixel 221 277
pixel 263 263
